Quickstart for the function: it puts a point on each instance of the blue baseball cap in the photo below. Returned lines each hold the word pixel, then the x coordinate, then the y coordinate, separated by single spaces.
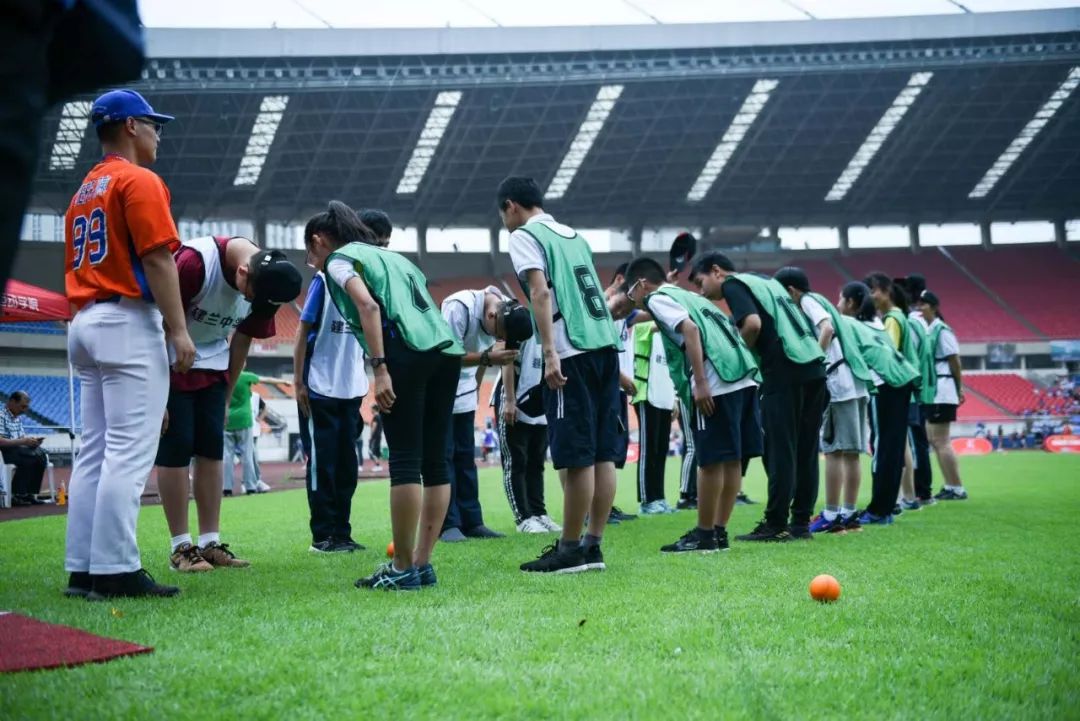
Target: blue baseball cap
pixel 117 105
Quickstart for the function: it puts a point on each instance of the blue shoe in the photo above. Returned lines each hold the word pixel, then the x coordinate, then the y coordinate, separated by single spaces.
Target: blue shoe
pixel 911 505
pixel 427 575
pixel 387 578
pixel 822 525
pixel 666 506
pixel 652 508
pixel 869 519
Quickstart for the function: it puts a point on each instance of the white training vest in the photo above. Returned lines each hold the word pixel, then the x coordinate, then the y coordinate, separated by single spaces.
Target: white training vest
pixel 530 372
pixel 626 355
pixel 335 358
pixel 474 341
pixel 660 390
pixel 215 310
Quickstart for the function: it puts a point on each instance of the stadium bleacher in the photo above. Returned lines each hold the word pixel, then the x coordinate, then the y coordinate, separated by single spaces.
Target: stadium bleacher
pixel 1038 281
pixel 1012 392
pixel 48 399
pixel 43 327
pixel 975 408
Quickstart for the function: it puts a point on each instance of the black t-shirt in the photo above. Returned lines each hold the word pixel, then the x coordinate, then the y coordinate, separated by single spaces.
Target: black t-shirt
pixel 776 367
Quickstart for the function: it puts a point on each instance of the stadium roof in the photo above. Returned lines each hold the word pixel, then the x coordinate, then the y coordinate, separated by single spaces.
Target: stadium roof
pixel 831 122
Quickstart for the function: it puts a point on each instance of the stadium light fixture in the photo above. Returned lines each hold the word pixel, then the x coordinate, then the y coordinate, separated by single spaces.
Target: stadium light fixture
pixel 594 121
pixel 74 117
pixel 1034 126
pixel 736 131
pixel 271 110
pixel 430 137
pixel 870 147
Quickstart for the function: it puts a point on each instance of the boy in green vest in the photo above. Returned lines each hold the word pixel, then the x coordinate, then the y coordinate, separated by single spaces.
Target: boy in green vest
pixel 579 347
pixel 709 361
pixel 793 394
pixel 844 430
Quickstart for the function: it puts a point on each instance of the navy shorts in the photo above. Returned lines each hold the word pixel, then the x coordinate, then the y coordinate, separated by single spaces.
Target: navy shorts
pixel 732 432
pixel 940 413
pixel 196 427
pixel 585 426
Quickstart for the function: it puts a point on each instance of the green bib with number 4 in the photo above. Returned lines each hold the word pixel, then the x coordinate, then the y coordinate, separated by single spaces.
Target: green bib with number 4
pixel 401 291
pixel 720 340
pixel 573 280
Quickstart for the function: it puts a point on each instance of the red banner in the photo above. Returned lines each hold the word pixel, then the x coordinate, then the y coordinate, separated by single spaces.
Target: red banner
pixel 1062 444
pixel 632 453
pixel 971 446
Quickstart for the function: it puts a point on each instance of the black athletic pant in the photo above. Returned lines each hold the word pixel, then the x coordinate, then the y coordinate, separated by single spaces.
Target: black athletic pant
pixel 688 468
pixel 29 469
pixel 425 383
pixel 464 510
pixel 791 416
pixel 654 435
pixel 888 420
pixel 329 438
pixel 524 451
pixel 920 451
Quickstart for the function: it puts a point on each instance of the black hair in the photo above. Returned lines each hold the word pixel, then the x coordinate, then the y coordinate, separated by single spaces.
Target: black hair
pixel 707 260
pixel 378 222
pixel 645 269
pixel 859 293
pixel 881 281
pixel 341 224
pixel 523 191
pixel 19 396
pixel 795 277
pixel 621 270
pixel 109 132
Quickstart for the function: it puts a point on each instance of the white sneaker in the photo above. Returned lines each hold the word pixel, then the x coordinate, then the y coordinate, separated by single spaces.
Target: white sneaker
pixel 532 525
pixel 377 467
pixel 262 486
pixel 549 523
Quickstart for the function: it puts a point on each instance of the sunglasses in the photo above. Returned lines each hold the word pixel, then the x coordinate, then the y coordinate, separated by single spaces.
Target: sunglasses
pixel 152 123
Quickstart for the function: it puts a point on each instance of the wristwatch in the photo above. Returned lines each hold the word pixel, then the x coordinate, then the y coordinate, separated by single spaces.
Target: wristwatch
pixel 377 361
pixel 485 358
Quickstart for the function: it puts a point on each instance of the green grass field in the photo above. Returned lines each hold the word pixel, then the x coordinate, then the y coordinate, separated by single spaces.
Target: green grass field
pixel 961 611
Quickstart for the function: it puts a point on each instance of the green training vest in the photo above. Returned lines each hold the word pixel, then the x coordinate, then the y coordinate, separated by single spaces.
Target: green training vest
pixel 641 335
pixel 878 352
pixel 848 345
pixel 796 334
pixel 577 289
pixel 720 340
pixel 930 376
pixel 401 292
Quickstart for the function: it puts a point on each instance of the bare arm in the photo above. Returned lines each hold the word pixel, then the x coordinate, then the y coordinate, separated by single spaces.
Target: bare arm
pixel 695 353
pixel 540 295
pixel 750 328
pixel 954 368
pixel 239 347
pixel 161 275
pixel 299 359
pixel 827 332
pixel 371 324
pixel 15 442
pixel 509 399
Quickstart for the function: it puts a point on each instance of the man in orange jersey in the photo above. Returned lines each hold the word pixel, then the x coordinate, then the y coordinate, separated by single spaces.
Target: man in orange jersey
pixel 120 274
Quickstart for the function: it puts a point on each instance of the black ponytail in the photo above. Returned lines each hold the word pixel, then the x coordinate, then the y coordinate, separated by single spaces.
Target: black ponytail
pixel 341 224
pixel 859 294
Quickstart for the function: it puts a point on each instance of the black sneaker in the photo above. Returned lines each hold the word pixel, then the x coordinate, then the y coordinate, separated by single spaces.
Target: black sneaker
pixel 481 531
pixel 618 514
pixel 766 533
pixel 800 533
pixel 227 492
pixel 948 494
pixel 692 542
pixel 744 500
pixel 897 510
pixel 128 585
pixel 79 585
pixel 555 559
pixel 852 524
pixel 686 504
pixel 387 578
pixel 427 575
pixel 594 558
pixel 327 545
pixel 722 542
pixel 350 545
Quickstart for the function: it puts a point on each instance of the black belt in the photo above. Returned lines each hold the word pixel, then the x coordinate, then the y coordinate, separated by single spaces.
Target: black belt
pixel 110 299
pixel 834 366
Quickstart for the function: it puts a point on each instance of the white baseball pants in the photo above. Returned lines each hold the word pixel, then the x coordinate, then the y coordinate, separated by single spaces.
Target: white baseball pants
pixel 118 351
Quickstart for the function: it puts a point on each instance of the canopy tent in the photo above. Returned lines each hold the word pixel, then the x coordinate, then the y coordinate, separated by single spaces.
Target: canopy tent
pixel 25 303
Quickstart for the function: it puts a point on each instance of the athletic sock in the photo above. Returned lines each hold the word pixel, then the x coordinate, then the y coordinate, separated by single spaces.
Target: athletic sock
pixel 205 539
pixel 569 545
pixel 847 510
pixel 705 534
pixel 831 512
pixel 590 540
pixel 178 541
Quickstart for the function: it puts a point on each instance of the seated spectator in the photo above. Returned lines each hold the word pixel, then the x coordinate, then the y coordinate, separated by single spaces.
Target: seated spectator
pixel 22 451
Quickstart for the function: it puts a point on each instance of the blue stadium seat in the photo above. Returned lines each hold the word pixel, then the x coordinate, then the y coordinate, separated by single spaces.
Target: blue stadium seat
pixel 44 327
pixel 48 399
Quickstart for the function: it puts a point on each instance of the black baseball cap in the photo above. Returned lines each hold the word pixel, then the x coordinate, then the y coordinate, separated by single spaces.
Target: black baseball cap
pixel 682 250
pixel 275 282
pixel 930 298
pixel 517 322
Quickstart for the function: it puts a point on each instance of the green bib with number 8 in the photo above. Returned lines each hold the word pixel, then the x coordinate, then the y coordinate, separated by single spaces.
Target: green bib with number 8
pixel 573 280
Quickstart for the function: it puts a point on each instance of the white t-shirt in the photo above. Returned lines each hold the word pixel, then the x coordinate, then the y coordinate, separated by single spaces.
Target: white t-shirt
pixel 526 254
pixel 947 345
pixel 840 381
pixel 463 312
pixel 342 271
pixel 626 355
pixel 670 315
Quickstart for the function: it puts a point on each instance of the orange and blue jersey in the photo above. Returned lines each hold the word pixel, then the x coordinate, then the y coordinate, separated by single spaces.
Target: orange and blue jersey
pixel 119 214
